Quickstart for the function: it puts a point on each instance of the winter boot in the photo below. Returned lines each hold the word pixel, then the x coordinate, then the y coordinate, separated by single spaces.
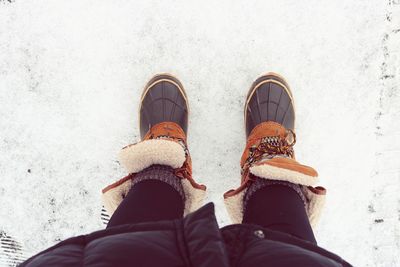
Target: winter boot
pixel 163 128
pixel 269 120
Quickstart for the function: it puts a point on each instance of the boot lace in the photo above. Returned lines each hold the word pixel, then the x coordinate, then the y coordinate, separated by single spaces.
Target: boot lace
pixel 271 147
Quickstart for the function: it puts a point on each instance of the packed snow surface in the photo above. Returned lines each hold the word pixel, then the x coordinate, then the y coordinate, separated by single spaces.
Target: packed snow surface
pixel 71 73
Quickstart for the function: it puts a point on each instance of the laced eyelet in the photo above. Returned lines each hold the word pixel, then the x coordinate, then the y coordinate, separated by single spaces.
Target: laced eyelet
pixel 270 147
pixel 293 137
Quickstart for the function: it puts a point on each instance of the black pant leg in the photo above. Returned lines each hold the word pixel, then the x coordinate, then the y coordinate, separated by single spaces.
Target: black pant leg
pixel 149 200
pixel 279 208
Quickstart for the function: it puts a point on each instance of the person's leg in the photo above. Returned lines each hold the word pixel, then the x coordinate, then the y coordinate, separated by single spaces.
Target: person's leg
pixel 153 191
pixel 156 195
pixel 279 207
pixel 270 172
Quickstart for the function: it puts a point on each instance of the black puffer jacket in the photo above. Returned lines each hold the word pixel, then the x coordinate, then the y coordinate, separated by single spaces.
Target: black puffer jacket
pixel 192 241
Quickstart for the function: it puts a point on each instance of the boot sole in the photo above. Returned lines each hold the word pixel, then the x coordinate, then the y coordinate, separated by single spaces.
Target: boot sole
pixel 162 77
pixel 268 77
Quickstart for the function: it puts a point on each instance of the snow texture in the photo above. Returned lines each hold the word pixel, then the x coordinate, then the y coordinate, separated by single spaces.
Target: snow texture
pixel 71 73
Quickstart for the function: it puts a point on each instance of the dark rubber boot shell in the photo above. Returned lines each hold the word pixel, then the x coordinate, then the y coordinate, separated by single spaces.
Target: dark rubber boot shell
pixel 269 99
pixel 163 99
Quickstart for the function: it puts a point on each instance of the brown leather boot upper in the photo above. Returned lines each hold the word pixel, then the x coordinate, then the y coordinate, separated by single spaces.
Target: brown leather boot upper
pixel 163 100
pixel 269 99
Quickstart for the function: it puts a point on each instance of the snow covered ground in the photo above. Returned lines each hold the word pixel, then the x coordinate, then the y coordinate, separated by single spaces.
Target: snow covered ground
pixel 71 73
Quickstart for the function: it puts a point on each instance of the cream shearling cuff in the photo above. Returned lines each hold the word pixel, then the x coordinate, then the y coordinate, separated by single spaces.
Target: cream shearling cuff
pixel 142 155
pixel 315 197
